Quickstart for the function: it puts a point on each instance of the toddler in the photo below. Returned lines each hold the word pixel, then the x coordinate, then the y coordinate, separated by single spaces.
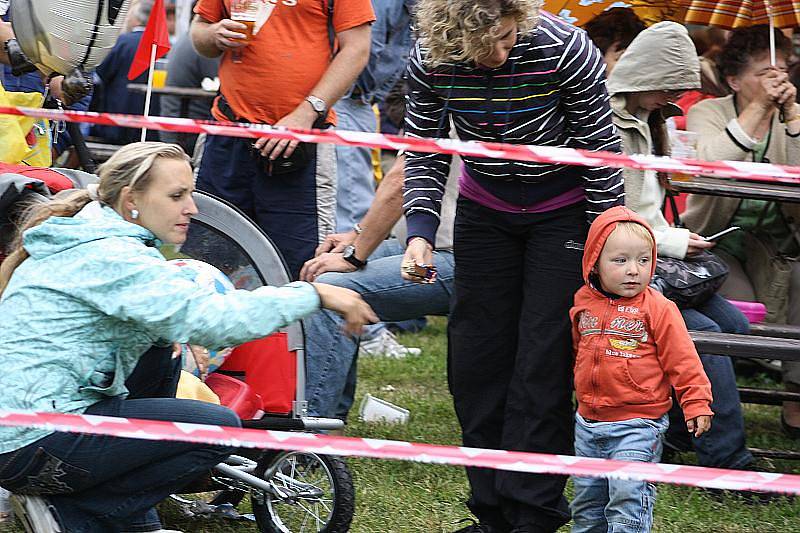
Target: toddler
pixel 631 349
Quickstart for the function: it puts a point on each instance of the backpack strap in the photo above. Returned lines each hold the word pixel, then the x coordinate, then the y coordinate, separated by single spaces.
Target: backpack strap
pixel 331 32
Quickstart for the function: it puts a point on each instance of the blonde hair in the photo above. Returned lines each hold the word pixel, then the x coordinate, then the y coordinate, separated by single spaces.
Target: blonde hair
pixel 637 230
pixel 453 31
pixel 130 166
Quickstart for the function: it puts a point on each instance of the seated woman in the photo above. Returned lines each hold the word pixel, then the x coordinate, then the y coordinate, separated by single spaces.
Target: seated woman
pixel 655 69
pixel 759 122
pixel 85 295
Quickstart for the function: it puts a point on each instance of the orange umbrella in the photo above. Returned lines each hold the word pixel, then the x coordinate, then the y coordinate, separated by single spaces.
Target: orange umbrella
pixel 732 14
pixel 579 12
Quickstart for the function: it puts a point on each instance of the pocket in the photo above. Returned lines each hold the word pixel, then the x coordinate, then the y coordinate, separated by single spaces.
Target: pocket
pixel 43 474
pixel 627 379
pixel 616 379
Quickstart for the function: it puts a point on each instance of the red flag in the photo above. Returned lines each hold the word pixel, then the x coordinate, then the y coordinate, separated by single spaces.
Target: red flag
pixel 155 33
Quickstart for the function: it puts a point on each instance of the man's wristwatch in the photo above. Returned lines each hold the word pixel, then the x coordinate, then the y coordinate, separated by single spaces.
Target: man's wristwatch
pixel 349 255
pixel 319 105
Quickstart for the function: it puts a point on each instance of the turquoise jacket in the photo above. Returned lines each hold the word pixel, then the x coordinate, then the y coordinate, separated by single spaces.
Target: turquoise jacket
pixel 93 296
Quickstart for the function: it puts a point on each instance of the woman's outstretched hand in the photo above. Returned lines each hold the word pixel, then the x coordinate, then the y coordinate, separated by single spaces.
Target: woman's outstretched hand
pixel 355 311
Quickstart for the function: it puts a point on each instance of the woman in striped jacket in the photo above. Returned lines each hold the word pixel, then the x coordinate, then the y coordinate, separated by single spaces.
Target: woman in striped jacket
pixel 503 71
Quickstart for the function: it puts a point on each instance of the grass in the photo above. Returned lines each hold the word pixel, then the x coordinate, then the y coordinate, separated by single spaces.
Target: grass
pixel 399 497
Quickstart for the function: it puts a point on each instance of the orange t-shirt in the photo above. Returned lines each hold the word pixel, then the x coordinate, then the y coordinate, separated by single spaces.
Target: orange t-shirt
pixel 287 57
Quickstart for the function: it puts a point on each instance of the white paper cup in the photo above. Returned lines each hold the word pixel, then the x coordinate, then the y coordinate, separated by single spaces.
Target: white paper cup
pixel 376 410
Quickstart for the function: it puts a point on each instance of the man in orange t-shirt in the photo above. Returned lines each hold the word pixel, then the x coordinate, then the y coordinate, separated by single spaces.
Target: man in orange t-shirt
pixel 287 75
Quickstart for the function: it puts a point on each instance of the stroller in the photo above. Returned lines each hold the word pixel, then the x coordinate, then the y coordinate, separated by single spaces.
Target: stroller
pixel 262 381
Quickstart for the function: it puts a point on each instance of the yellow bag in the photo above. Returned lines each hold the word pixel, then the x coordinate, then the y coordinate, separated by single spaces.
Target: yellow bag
pixel 191 388
pixel 14 148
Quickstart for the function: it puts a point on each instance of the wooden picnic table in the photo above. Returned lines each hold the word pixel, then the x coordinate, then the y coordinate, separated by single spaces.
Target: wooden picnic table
pixel 183 92
pixel 758 190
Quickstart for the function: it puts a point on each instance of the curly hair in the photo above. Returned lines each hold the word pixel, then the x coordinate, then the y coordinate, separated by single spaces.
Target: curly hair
pixel 454 31
pixel 617 25
pixel 744 44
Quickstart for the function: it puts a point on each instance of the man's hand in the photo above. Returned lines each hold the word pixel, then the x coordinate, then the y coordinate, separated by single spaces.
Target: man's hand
pixel 303 117
pixel 336 242
pixel 227 35
pixel 699 425
pixel 327 262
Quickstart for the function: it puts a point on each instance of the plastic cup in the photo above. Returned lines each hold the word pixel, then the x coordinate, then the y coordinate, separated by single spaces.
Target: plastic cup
pixel 245 12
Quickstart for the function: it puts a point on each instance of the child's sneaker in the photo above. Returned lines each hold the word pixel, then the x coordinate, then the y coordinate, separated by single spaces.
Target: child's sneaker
pixel 385 344
pixel 34 513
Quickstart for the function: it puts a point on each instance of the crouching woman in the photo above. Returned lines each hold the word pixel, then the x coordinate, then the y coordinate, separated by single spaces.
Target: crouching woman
pixel 84 297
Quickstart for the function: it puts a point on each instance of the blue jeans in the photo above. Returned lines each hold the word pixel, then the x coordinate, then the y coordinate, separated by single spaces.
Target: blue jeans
pixel 615 505
pixel 724 445
pixel 355 176
pixel 98 483
pixel 331 355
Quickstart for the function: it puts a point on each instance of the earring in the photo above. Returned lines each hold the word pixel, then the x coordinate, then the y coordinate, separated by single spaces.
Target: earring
pixel 134 214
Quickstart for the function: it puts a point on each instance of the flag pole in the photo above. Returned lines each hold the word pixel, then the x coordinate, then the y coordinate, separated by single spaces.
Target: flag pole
pixel 149 92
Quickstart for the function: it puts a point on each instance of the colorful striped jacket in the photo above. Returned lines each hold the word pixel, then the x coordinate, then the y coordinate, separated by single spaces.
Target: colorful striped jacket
pixel 551 91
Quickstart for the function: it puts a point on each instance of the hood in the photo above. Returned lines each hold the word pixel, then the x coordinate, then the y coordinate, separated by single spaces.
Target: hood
pixel 93 222
pixel 661 58
pixel 601 228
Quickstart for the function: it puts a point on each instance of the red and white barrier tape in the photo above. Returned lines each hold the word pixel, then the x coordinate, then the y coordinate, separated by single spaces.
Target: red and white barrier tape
pixel 537 463
pixel 519 152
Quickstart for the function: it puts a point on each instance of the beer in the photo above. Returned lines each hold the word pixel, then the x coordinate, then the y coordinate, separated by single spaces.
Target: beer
pixel 245 12
pixel 248 32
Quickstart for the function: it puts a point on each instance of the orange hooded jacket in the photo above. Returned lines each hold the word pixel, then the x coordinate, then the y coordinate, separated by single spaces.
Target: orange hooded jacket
pixel 629 352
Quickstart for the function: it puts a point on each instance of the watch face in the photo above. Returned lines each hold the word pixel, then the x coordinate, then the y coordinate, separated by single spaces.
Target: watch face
pixel 349 251
pixel 317 104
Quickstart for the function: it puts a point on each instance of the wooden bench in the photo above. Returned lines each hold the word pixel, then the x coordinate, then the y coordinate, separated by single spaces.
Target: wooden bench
pixel 766 341
pixel 101 151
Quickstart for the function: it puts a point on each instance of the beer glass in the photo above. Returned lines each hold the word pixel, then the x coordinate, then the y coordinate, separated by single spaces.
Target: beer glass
pixel 245 12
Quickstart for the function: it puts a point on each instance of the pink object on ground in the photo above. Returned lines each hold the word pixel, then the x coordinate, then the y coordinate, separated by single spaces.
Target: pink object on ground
pixel 754 311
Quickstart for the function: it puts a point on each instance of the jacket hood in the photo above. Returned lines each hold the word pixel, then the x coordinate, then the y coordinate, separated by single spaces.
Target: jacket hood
pixel 601 228
pixel 661 58
pixel 93 222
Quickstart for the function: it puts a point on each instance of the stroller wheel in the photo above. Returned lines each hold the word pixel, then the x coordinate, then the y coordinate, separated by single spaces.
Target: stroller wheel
pixel 312 494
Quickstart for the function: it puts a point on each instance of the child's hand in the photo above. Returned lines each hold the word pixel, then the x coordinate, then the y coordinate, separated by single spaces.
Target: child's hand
pixel 699 425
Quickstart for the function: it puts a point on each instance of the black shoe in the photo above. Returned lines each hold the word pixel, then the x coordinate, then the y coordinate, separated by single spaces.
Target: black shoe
pixel 475 527
pixel 793 432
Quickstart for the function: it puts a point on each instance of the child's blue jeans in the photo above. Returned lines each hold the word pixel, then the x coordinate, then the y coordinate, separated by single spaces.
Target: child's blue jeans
pixel 614 505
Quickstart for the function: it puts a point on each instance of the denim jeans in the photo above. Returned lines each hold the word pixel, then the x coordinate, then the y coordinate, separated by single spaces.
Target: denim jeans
pixel 98 483
pixel 354 173
pixel 616 505
pixel 331 355
pixel 724 445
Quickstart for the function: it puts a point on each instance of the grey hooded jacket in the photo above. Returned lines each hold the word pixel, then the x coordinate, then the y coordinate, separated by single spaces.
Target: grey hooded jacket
pixel 661 58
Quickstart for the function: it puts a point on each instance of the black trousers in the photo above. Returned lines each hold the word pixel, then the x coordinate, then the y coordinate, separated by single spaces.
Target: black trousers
pixel 510 352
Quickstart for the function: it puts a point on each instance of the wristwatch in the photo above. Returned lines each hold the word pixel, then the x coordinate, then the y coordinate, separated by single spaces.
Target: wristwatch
pixel 318 104
pixel 349 255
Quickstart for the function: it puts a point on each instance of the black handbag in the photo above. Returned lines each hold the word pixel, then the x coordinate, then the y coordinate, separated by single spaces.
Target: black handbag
pixel 690 281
